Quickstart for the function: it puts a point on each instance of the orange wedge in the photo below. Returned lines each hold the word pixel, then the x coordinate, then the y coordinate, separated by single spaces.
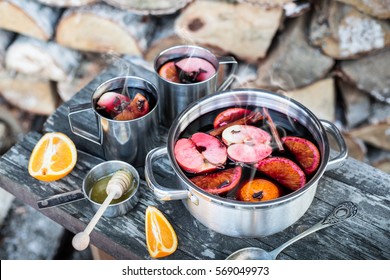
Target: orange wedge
pixel 53 157
pixel 168 71
pixel 161 239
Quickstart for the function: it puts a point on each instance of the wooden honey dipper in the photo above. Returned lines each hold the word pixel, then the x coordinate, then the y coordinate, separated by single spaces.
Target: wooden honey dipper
pixel 116 187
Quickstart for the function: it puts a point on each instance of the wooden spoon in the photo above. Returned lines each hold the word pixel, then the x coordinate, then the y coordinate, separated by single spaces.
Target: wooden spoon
pixel 116 187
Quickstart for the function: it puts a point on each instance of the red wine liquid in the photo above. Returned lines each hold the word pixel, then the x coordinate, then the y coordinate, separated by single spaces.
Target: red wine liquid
pixel 129 92
pixel 285 125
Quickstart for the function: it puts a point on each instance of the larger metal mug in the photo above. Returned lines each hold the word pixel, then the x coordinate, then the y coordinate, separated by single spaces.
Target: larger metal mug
pixel 130 140
pixel 175 97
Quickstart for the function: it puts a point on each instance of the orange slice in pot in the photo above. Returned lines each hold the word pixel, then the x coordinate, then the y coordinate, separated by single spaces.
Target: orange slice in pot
pixel 305 152
pixel 53 157
pixel 258 190
pixel 169 72
pixel 161 239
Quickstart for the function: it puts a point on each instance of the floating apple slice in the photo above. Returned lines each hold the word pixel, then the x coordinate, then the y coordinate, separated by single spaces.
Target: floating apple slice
pixel 304 151
pixel 113 102
pixel 230 115
pixel 200 153
pixel 194 69
pixel 137 108
pixel 284 171
pixel 258 190
pixel 246 143
pixel 220 181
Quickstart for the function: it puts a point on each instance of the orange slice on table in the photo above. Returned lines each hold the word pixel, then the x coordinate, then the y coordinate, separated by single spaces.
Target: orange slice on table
pixel 53 157
pixel 161 239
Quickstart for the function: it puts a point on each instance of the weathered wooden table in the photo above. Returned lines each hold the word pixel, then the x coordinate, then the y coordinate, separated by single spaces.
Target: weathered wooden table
pixel 366 236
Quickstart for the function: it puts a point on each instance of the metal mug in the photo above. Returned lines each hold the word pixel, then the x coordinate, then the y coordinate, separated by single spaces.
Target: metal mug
pixel 127 141
pixel 175 97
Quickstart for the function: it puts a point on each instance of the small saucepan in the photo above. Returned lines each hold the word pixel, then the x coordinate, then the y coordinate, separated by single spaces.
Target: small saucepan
pixel 98 172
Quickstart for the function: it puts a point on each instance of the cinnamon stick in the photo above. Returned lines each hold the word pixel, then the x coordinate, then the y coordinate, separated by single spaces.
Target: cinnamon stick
pixel 251 118
pixel 274 131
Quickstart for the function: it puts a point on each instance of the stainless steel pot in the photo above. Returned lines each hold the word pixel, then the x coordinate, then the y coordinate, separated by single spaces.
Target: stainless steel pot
pixel 236 218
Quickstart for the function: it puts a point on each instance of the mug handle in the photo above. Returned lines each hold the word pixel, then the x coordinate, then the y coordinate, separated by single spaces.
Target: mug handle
pixel 162 193
pixel 343 153
pixel 78 109
pixel 228 60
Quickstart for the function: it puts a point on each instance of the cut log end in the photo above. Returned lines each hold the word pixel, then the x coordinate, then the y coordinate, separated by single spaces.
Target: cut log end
pixel 207 23
pixel 29 94
pixel 29 18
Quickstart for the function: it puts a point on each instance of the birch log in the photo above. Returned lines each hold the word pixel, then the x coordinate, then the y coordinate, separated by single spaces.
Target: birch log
pixel 244 30
pixel 370 74
pixel 5 39
pixel 28 93
pixel 343 32
pixel 153 7
pixel 46 60
pixel 293 63
pixel 67 3
pixel 77 79
pixel 375 8
pixel 103 28
pixel 28 17
pixel 319 97
pixel 164 37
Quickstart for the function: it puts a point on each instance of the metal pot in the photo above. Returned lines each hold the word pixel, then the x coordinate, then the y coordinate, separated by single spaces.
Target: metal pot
pixel 236 218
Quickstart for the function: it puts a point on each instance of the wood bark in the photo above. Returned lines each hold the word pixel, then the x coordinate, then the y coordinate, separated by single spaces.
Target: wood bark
pixel 164 37
pixel 67 3
pixel 103 28
pixel 77 79
pixel 370 74
pixel 293 63
pixel 319 97
pixel 356 147
pixel 153 7
pixel 28 17
pixel 356 104
pixel 46 60
pixel 375 8
pixel 5 39
pixel 243 30
pixel 28 93
pixel 374 134
pixel 343 32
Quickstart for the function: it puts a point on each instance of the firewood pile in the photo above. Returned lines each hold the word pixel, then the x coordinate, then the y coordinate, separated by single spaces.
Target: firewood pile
pixel 333 56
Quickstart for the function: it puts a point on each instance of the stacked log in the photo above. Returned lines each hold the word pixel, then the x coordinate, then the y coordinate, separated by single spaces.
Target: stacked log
pixel 329 55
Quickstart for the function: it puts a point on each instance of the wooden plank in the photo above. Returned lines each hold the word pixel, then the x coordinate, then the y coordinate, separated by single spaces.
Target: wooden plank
pixel 364 237
pixel 367 236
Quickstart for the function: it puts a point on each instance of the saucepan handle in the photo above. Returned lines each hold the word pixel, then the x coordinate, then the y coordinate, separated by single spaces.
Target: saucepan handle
pixel 233 71
pixel 162 193
pixel 80 109
pixel 333 131
pixel 60 199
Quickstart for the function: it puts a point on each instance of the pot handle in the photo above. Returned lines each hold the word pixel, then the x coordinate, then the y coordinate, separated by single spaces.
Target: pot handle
pixel 228 60
pixel 78 109
pixel 60 199
pixel 162 193
pixel 343 153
